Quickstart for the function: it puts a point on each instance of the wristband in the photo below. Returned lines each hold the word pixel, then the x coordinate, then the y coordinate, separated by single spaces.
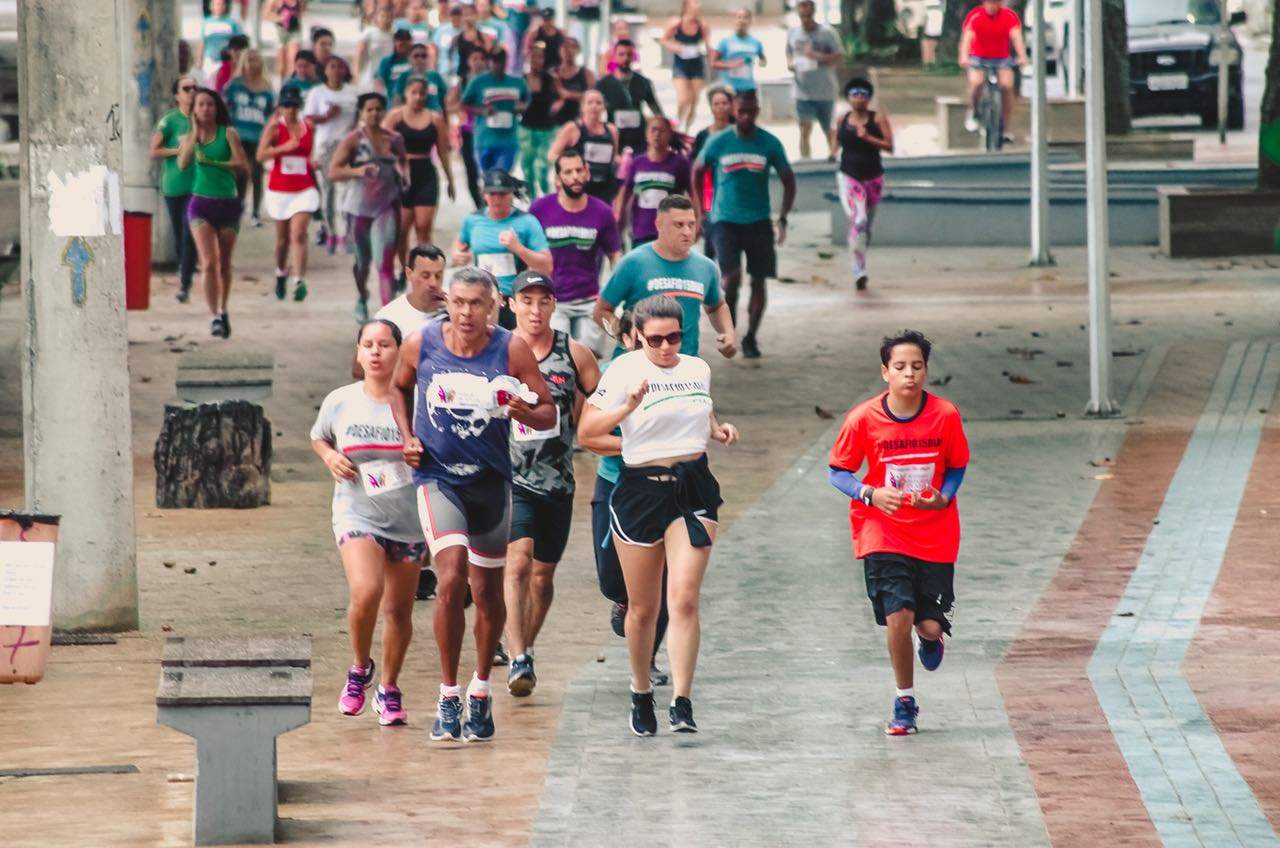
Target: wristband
pixel 868 492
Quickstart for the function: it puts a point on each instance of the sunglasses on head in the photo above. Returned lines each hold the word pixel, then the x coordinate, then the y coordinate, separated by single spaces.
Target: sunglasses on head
pixel 670 338
pixel 859 92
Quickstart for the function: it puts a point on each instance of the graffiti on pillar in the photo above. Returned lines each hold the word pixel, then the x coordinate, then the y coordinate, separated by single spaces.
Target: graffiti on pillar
pixel 142 75
pixel 113 122
pixel 77 257
pixel 20 643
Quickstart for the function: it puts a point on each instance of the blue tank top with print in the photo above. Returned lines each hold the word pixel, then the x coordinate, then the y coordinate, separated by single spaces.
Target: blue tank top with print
pixel 464 439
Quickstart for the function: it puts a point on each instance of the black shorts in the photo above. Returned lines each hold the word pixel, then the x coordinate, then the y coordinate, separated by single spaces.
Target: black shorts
pixel 648 499
pixel 544 519
pixel 896 582
pixel 755 240
pixel 424 185
pixel 709 239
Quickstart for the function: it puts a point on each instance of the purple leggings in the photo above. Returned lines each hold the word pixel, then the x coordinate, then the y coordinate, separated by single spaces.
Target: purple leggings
pixel 374 240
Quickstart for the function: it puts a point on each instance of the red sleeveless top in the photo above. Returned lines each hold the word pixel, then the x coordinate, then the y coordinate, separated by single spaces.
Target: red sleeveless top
pixel 291 171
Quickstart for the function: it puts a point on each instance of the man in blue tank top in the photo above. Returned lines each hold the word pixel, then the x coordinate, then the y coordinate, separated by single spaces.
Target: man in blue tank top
pixel 470 379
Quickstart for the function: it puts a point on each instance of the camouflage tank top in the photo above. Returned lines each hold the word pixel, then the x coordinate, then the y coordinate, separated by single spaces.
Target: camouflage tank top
pixel 542 460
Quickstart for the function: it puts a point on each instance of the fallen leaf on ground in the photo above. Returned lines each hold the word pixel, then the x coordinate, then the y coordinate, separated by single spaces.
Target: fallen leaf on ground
pixel 822 413
pixel 1020 380
pixel 1105 462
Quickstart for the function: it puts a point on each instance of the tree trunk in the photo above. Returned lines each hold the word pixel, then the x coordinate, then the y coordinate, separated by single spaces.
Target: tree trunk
pixel 953 15
pixel 879 22
pixel 213 455
pixel 1269 121
pixel 1115 58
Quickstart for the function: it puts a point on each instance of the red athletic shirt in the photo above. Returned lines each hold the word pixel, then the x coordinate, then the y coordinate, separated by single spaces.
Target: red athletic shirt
pixel 909 455
pixel 991 32
pixel 291 171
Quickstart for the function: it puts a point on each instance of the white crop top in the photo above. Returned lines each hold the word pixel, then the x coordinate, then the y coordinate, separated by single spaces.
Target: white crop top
pixel 674 417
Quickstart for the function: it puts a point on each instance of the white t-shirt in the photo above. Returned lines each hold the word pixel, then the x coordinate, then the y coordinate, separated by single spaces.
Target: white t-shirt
pixel 381 499
pixel 406 316
pixel 674 417
pixel 319 99
pixel 378 44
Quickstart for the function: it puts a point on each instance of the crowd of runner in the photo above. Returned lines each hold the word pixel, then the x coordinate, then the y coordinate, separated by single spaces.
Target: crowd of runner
pixel 452 454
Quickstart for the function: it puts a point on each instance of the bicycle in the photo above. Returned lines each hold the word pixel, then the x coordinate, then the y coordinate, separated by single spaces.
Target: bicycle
pixel 991 112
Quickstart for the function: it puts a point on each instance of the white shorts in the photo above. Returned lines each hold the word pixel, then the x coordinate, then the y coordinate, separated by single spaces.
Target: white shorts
pixel 283 205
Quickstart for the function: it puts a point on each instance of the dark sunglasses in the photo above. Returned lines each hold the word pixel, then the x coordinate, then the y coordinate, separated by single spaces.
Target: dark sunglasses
pixel 187 88
pixel 670 338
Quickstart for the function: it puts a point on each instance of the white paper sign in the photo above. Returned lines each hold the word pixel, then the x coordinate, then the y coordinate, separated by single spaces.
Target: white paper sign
pixel 804 65
pixel 912 477
pixel 627 119
pixel 500 121
pixel 497 264
pixel 523 433
pixel 85 204
pixel 597 152
pixel 26 583
pixel 293 165
pixel 384 475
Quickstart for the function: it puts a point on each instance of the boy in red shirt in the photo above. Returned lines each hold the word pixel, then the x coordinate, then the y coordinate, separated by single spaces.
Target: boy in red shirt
pixel 906 529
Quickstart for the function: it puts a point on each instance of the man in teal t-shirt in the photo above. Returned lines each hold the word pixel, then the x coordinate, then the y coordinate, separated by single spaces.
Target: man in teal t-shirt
pixel 668 266
pixel 740 159
pixel 396 64
pixel 420 68
pixel 496 99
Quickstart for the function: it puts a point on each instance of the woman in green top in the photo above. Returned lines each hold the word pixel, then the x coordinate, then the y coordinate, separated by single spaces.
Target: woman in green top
pixel 175 182
pixel 213 149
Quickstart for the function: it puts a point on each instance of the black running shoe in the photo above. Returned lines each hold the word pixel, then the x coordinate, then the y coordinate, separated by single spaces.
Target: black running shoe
pixel 521 679
pixel 216 327
pixel 750 350
pixel 226 326
pixel 426 585
pixel 681 713
pixel 184 294
pixel 282 281
pixel 861 283
pixel 500 656
pixel 657 676
pixel 643 721
pixel 618 619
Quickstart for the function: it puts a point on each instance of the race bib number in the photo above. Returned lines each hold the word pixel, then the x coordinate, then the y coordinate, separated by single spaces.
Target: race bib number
pixel 521 433
pixel 597 153
pixel 914 478
pixel 804 65
pixel 693 51
pixel 742 72
pixel 497 264
pixel 457 391
pixel 627 119
pixel 384 476
pixel 293 166
pixel 651 197
pixel 500 121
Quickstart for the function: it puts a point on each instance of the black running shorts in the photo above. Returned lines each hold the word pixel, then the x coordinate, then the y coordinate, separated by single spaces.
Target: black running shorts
pixel 649 499
pixel 896 582
pixel 755 240
pixel 544 519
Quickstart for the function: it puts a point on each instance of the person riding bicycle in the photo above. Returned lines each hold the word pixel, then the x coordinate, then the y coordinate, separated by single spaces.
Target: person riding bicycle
pixel 985 37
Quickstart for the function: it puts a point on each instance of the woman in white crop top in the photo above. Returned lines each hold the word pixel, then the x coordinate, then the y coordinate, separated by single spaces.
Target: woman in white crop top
pixel 666 503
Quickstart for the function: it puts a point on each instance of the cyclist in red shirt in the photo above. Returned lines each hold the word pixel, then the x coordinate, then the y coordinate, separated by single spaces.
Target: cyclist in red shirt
pixel 984 45
pixel 906 529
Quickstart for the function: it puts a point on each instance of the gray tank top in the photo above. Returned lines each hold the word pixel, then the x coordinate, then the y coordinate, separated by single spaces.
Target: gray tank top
pixel 369 197
pixel 542 461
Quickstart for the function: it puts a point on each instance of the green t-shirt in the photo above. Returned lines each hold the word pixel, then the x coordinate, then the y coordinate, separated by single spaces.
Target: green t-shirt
pixel 436 89
pixel 741 167
pixel 174 181
pixel 214 180
pixel 694 281
pixel 508 95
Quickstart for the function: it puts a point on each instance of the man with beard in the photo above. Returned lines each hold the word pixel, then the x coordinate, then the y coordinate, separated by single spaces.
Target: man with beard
pixel 581 231
pixel 625 92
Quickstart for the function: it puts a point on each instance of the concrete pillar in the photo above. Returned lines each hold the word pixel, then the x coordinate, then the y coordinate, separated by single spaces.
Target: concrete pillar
pixel 166 28
pixel 142 105
pixel 75 375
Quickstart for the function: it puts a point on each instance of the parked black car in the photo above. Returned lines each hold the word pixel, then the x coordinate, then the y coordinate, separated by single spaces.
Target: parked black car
pixel 1172 60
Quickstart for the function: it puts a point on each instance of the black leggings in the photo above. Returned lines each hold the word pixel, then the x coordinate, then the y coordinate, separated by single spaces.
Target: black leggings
pixel 608 570
pixel 473 169
pixel 255 175
pixel 184 246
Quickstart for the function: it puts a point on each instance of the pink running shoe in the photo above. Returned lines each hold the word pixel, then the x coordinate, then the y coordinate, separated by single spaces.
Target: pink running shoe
pixel 386 703
pixel 358 679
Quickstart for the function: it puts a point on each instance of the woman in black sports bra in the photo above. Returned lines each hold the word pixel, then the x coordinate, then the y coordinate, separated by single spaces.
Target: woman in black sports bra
pixel 572 82
pixel 423 131
pixel 862 135
pixel 597 141
pixel 686 38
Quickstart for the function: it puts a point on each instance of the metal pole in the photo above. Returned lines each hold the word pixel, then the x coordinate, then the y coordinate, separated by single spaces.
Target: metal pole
pixel 76 425
pixel 1039 145
pixel 1075 66
pixel 1224 69
pixel 1100 399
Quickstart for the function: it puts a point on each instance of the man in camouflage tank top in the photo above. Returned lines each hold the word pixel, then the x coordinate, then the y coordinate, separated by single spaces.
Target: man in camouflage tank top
pixel 542 473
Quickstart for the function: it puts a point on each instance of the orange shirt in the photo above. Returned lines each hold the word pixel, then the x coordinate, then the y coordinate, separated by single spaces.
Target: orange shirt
pixel 907 454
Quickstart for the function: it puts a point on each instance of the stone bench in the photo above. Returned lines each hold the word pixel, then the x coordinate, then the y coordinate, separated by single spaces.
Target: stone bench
pixel 1066 122
pixel 1203 221
pixel 211 376
pixel 235 696
pixel 777 100
pixel 1140 147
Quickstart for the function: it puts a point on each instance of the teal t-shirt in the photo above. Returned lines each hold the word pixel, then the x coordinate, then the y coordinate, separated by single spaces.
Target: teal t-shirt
pixel 747 48
pixel 694 281
pixel 174 181
pixel 610 467
pixel 741 166
pixel 249 109
pixel 436 89
pixel 215 33
pixel 391 70
pixel 302 85
pixel 420 31
pixel 508 95
pixel 480 233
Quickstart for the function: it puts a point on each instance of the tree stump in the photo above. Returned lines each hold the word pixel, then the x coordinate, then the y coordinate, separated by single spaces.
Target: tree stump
pixel 213 455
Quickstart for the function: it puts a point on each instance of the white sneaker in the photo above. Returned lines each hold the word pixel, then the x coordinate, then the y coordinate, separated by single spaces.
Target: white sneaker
pixel 970 121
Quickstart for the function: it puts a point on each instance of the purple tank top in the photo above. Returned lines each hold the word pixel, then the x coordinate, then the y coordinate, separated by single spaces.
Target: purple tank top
pixel 463 438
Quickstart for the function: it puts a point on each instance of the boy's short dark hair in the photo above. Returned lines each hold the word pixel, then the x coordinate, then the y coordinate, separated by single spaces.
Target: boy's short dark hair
pixel 911 337
pixel 320 32
pixel 426 251
pixel 675 201
pixel 306 56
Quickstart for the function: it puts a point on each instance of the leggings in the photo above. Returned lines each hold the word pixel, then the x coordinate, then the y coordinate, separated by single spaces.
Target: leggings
pixel 473 168
pixel 859 199
pixel 535 144
pixel 374 241
pixel 184 246
pixel 328 189
pixel 608 570
pixel 255 175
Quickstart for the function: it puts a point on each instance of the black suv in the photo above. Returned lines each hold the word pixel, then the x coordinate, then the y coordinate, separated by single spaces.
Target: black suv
pixel 1171 44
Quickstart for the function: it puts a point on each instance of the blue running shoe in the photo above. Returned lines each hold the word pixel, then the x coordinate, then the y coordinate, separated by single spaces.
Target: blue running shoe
pixel 521 679
pixel 929 651
pixel 643 720
pixel 479 724
pixel 681 713
pixel 904 717
pixel 448 724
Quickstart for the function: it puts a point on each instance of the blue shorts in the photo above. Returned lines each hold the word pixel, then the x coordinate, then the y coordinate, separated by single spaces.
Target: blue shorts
pixel 503 157
pixel 977 63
